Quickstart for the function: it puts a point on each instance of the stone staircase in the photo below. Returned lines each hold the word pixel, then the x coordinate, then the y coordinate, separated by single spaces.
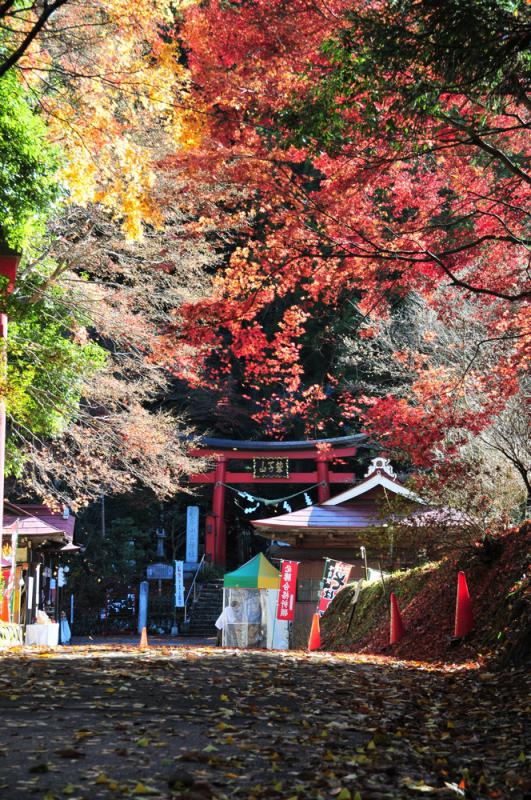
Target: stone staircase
pixel 207 608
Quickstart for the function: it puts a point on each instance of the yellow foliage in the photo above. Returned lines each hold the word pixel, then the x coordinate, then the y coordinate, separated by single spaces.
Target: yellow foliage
pixel 189 128
pixel 121 90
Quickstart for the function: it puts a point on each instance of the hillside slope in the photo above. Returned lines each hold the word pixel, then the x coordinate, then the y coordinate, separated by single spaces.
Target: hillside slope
pixel 499 583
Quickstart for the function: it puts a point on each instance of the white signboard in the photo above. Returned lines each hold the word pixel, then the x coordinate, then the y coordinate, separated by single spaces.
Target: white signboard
pixel 179 584
pixel 192 533
pixel 159 572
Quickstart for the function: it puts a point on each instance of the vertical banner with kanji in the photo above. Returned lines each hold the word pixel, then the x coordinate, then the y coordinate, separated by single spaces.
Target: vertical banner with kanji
pixel 336 575
pixel 179 584
pixel 288 587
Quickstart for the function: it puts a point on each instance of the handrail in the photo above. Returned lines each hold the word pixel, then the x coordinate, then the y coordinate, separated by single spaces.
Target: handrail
pixel 192 585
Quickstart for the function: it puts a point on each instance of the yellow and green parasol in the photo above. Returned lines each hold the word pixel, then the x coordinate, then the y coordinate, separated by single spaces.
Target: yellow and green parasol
pixel 258 573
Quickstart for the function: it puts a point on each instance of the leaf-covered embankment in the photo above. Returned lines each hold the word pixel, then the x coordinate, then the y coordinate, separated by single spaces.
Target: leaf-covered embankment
pixel 498 579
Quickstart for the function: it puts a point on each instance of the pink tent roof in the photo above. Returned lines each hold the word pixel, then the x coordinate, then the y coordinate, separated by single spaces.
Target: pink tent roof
pixel 40 522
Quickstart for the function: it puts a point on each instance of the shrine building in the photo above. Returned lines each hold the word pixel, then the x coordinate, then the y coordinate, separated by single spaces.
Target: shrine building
pixel 349 527
pixel 40 536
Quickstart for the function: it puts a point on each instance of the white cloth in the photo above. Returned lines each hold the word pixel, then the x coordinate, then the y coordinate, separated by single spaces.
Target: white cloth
pixel 43 634
pixel 277 629
pixel 228 617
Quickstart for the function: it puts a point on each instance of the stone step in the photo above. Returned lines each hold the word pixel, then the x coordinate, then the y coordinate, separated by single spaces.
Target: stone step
pixel 206 614
pixel 206 609
pixel 215 601
pixel 209 596
pixel 203 614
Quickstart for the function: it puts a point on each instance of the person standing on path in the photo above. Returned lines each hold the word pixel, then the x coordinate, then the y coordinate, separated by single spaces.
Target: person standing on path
pixel 229 623
pixel 66 635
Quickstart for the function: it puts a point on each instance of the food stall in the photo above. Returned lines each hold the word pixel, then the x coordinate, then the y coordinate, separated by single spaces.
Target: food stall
pixel 250 597
pixel 34 539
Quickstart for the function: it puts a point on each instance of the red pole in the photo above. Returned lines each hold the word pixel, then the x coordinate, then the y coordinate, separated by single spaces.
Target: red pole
pixel 9 261
pixel 323 490
pixel 218 510
pixel 210 538
pixel 221 552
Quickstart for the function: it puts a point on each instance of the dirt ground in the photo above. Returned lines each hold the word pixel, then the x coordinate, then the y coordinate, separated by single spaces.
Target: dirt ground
pixel 111 721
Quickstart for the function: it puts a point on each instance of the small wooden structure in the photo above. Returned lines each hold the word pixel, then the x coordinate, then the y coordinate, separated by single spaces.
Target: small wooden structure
pixel 337 528
pixel 41 534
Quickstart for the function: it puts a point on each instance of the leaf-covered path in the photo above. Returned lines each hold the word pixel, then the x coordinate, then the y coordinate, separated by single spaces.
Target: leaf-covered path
pixel 111 722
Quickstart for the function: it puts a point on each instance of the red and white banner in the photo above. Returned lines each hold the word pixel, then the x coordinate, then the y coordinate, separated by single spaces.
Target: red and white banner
pixel 288 589
pixel 336 575
pixel 12 572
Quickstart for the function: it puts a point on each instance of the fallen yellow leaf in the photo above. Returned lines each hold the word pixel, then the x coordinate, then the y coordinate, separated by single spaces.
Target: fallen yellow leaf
pixel 141 788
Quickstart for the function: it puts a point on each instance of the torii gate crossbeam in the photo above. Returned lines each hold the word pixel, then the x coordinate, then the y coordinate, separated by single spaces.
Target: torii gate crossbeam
pixel 223 451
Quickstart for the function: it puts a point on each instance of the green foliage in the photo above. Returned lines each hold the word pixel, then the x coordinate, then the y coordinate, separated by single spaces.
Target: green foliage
pixel 419 52
pixel 49 362
pixel 28 164
pixel 373 604
pixel 120 556
pixel 114 560
pixel 49 357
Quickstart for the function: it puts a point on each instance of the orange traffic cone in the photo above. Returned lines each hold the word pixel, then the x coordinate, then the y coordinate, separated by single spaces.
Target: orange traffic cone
pixel 464 618
pixel 143 639
pixel 314 642
pixel 397 626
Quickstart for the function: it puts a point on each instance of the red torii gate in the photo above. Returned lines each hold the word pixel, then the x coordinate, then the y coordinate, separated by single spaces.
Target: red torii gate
pixel 223 451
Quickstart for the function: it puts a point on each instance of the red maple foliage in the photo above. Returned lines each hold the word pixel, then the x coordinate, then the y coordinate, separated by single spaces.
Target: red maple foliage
pixel 400 199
